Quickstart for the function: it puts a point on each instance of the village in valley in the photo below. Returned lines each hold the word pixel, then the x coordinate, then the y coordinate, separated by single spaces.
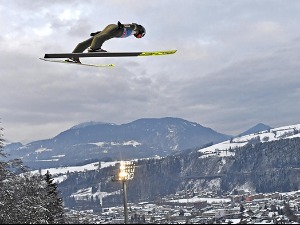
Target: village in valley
pixel 239 207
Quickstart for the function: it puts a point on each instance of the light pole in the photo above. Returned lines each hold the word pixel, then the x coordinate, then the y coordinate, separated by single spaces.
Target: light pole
pixel 125 201
pixel 126 173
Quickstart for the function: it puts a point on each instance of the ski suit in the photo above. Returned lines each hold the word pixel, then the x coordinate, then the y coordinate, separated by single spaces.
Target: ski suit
pixel 110 31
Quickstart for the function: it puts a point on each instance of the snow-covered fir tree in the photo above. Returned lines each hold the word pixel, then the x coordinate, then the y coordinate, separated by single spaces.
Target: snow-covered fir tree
pixel 27 198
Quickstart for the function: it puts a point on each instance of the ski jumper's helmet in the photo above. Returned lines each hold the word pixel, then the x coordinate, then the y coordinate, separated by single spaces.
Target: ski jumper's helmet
pixel 140 32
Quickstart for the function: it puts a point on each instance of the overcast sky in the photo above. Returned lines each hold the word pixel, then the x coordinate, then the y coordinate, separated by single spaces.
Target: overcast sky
pixel 237 64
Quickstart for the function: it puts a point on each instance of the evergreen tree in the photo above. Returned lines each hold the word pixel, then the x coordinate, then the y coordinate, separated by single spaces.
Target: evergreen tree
pixel 23 200
pixel 55 210
pixel 8 169
pixel 26 198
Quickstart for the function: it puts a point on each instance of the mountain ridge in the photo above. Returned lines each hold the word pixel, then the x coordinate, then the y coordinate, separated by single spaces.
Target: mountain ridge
pixel 262 162
pixel 141 138
pixel 241 162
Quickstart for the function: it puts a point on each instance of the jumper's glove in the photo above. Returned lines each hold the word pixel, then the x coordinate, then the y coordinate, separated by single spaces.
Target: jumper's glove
pixel 120 26
pixel 136 27
pixel 93 34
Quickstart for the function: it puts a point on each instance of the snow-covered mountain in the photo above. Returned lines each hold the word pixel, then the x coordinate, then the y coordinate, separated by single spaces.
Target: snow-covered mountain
pixel 197 169
pixel 92 142
pixel 222 149
pixel 227 148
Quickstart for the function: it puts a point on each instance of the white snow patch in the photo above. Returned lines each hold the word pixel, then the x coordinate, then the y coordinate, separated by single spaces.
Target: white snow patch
pixel 99 144
pixel 198 199
pixel 227 148
pixel 132 142
pixel 126 143
pixel 43 150
pixel 58 156
pixel 65 170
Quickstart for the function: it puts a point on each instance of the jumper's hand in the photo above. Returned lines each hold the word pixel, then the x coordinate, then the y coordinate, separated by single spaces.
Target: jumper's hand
pixel 120 25
pixel 94 33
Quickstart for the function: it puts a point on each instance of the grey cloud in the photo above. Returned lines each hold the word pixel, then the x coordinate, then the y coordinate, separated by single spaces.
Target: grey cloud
pixel 236 65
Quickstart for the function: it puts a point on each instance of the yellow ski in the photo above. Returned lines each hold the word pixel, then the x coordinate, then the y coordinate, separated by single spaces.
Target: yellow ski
pixel 168 52
pixel 108 54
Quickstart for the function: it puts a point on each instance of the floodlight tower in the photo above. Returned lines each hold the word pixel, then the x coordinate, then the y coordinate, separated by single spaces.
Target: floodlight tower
pixel 126 173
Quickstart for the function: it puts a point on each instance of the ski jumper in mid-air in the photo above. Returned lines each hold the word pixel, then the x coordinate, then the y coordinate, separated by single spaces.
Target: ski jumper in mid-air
pixel 94 43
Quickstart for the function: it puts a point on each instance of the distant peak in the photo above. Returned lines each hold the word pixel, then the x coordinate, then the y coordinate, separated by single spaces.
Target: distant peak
pixel 257 128
pixel 88 124
pixel 262 126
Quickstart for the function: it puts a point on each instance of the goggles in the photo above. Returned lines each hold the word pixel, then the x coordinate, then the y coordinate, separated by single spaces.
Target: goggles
pixel 139 35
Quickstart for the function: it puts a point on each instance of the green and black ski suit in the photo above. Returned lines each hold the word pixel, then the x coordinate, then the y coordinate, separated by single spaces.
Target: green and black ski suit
pixel 110 31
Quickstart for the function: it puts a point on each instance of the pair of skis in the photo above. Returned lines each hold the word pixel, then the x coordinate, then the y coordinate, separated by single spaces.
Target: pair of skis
pixel 49 57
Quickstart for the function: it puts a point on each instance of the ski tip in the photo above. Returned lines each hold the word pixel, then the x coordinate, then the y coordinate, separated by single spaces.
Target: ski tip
pixel 158 53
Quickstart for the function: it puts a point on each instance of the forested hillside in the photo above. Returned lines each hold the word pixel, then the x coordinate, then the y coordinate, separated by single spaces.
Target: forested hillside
pixel 261 167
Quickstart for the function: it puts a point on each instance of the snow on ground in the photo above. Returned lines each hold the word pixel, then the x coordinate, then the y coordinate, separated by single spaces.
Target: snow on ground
pixel 64 170
pixel 60 174
pixel 131 142
pixel 198 199
pixel 84 194
pixel 227 148
pixel 43 150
